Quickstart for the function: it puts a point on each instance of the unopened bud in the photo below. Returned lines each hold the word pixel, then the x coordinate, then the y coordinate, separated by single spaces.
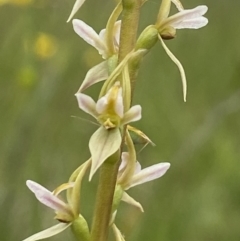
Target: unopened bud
pixel 147 38
pixel 168 33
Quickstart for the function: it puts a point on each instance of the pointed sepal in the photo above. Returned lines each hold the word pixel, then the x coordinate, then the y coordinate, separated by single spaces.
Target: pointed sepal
pixel 47 233
pixel 102 145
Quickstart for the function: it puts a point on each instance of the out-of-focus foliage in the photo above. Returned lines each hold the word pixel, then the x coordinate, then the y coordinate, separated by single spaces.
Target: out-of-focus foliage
pixel 42 63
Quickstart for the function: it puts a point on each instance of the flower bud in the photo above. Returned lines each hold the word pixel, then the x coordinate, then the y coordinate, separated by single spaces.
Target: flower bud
pixel 168 33
pixel 147 38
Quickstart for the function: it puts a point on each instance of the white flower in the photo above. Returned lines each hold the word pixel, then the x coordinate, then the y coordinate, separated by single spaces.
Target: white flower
pixel 139 176
pixel 63 211
pixel 189 18
pixel 66 213
pixel 110 113
pixel 106 45
pixel 98 41
pixel 109 109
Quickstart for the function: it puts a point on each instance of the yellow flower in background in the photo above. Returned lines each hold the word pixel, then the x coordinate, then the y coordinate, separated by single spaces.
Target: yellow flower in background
pixel 45 46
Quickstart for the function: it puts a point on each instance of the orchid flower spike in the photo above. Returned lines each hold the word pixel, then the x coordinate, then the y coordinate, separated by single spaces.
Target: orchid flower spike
pixel 167 25
pixel 66 213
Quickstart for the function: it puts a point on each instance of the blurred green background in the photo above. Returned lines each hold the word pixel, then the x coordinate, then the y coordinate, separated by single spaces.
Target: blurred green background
pixel 42 63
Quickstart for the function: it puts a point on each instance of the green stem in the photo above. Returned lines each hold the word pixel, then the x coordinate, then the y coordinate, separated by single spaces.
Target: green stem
pixel 106 187
pixel 109 169
pixel 129 26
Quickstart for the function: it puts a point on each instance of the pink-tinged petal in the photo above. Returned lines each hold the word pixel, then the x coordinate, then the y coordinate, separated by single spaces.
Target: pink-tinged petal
pixel 94 75
pixel 148 174
pixel 47 233
pixel 117 28
pixel 126 198
pixel 87 104
pixel 138 168
pixel 76 7
pixel 123 165
pixel 132 115
pixel 124 161
pixel 102 104
pixel 102 35
pixel 119 104
pixel 194 23
pixel 47 198
pixel 88 34
pixel 35 187
pixel 186 15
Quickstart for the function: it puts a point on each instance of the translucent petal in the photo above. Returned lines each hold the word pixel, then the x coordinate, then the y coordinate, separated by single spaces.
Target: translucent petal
pixel 119 104
pixel 88 34
pixel 132 115
pixel 95 75
pixel 76 7
pixel 138 168
pixel 102 104
pixel 87 104
pixel 126 198
pixel 148 174
pixel 47 233
pixel 186 15
pixel 194 23
pixel 47 198
pixel 117 28
pixel 35 187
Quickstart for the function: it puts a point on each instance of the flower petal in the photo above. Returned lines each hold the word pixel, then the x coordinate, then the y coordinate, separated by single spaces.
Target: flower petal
pixel 126 198
pixel 76 7
pixel 186 15
pixel 47 233
pixel 88 34
pixel 124 162
pixel 103 143
pixel 94 75
pixel 117 28
pixel 87 104
pixel 138 167
pixel 119 104
pixel 149 174
pixel 101 105
pixel 117 233
pixel 132 115
pixel 179 65
pixel 47 198
pixel 194 23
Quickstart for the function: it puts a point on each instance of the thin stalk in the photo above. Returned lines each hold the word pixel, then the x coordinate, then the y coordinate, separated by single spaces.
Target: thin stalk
pixel 109 169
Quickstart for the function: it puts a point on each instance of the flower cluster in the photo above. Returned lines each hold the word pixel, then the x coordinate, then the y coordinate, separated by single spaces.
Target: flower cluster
pixel 113 111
